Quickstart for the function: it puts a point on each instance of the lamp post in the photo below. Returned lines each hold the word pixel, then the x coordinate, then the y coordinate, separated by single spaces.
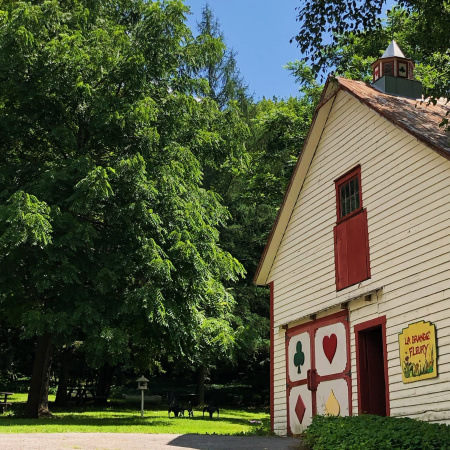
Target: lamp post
pixel 142 385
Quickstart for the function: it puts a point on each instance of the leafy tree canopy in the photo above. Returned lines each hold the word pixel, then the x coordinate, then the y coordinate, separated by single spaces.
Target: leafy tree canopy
pixel 278 129
pixel 106 233
pixel 427 31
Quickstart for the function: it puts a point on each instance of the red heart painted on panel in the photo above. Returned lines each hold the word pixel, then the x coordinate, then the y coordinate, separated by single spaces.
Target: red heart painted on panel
pixel 329 345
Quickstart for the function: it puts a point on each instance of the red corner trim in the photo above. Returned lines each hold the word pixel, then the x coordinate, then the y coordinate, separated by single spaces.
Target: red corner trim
pixel 272 364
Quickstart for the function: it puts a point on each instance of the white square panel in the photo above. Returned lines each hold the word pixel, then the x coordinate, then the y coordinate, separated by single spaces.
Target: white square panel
pixel 330 344
pixel 299 356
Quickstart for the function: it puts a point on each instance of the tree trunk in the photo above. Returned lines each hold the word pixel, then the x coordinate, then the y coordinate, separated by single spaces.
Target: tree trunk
pixel 37 403
pixel 201 376
pixel 63 381
pixel 104 382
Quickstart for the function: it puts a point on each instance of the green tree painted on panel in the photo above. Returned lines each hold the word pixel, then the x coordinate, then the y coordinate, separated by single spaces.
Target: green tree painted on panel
pixel 299 357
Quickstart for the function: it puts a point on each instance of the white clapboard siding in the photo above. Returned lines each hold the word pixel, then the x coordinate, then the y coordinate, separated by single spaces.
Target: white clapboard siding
pixel 420 244
pixel 280 418
pixel 405 188
pixel 412 398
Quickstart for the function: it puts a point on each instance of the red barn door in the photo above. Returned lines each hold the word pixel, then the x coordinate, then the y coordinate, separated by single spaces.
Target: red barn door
pixel 317 371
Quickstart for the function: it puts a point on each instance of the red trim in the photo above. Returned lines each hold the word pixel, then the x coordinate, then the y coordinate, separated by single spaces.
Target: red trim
pixel 353 173
pixel 374 67
pixel 312 341
pixel 311 327
pixel 327 320
pixel 365 326
pixel 349 379
pixel 347 175
pixel 272 362
pixel 385 63
pixel 288 386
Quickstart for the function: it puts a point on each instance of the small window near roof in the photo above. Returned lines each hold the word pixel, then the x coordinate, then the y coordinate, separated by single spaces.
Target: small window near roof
pixel 348 193
pixel 351 238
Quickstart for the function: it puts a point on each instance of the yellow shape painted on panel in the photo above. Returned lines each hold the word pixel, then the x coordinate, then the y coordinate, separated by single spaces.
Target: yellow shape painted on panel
pixel 332 406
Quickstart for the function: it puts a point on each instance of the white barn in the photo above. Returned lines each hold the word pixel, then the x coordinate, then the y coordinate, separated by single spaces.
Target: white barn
pixel 358 260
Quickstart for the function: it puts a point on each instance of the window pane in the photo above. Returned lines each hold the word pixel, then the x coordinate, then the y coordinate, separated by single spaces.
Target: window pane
pixel 349 197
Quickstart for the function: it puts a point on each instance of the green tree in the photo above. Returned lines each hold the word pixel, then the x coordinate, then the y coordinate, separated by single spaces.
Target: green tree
pixel 220 67
pixel 278 129
pixel 355 52
pixel 427 21
pixel 107 236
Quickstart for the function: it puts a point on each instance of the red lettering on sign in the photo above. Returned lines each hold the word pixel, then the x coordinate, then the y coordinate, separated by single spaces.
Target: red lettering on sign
pixel 418 338
pixel 418 350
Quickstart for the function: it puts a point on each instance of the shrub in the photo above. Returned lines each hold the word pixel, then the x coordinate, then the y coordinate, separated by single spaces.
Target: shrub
pixel 370 432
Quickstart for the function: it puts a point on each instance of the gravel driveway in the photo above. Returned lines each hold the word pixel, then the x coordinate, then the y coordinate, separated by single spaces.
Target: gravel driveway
pixel 137 441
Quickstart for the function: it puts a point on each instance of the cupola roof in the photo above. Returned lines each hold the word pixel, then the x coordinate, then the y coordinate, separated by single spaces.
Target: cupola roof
pixel 393 73
pixel 393 51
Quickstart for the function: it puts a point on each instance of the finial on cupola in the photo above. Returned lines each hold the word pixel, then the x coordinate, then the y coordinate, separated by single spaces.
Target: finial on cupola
pixel 393 73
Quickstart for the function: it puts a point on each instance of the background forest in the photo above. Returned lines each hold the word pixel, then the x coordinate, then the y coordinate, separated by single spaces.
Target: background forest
pixel 139 181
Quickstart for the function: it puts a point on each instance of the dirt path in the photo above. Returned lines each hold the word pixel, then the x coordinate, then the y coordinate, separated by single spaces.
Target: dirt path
pixel 136 441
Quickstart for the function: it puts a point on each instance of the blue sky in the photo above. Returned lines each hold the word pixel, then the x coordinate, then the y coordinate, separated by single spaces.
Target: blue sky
pixel 259 31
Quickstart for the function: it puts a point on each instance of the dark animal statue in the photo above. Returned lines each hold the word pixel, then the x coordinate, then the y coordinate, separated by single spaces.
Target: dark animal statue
pixel 211 409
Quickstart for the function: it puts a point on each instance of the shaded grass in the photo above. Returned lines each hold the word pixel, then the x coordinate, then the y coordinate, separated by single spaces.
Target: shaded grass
pixel 120 417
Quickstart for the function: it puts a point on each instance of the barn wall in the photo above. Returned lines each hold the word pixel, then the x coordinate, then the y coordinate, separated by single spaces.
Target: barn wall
pixel 280 414
pixel 405 188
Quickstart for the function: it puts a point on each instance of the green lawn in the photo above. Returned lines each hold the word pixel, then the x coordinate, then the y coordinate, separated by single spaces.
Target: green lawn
pixel 120 417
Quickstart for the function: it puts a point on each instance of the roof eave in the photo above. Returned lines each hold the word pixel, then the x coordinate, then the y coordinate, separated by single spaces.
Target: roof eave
pixel 331 88
pixel 296 182
pixel 428 142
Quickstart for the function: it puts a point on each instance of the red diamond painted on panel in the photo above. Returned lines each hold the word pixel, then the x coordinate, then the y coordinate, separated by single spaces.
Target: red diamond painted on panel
pixel 300 409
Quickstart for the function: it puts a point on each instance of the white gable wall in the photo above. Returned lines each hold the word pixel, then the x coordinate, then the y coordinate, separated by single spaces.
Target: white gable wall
pixel 405 188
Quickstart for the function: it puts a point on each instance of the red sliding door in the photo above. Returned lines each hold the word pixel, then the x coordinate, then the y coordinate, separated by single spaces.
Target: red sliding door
pixel 317 370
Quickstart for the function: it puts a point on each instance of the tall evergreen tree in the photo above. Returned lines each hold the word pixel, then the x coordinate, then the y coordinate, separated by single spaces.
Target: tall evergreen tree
pixel 220 67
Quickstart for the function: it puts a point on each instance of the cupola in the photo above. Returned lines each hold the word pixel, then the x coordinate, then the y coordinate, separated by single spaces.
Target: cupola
pixel 393 73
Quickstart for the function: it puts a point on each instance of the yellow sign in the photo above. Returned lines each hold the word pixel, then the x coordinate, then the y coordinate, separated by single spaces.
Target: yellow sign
pixel 418 355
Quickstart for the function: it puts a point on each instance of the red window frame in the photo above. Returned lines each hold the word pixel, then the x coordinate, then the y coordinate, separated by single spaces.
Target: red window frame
pixel 351 237
pixel 350 175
